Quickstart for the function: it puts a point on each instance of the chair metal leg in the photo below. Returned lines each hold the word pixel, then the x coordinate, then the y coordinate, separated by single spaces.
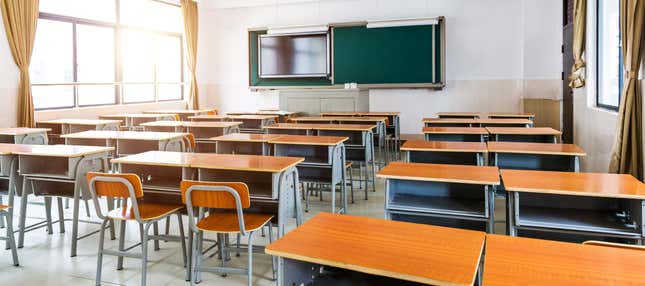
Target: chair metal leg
pixel 238 238
pixel 2 225
pixel 168 226
pixel 23 214
pixel 273 258
pixel 61 215
pixel 48 214
pixel 351 182
pixel 144 254
pixel 10 238
pixel 250 258
pixel 99 257
pixel 110 206
pixel 155 229
pixel 193 258
pixel 123 224
pixel 183 239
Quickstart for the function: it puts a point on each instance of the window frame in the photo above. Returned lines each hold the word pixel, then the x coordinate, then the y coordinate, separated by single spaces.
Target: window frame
pixel 621 67
pixel 119 96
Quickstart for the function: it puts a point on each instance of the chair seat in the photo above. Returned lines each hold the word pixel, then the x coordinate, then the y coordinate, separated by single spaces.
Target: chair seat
pixel 147 211
pixel 227 222
pixel 348 164
pixel 3 207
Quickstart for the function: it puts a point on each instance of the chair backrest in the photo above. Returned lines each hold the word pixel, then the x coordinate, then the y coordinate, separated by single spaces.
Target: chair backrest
pixel 190 139
pixel 202 197
pixel 176 117
pixel 115 185
pixel 214 111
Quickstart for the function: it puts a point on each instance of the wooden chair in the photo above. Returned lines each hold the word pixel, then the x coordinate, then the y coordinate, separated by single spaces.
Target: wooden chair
pixel 613 244
pixel 176 117
pixel 214 111
pixel 11 243
pixel 128 186
pixel 221 196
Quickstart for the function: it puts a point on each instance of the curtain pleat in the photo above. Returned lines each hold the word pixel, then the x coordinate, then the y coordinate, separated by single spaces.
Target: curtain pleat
pixel 191 19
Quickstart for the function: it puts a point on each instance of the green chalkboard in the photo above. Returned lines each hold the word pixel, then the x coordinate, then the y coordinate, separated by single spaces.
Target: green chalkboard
pixel 254 76
pixel 393 55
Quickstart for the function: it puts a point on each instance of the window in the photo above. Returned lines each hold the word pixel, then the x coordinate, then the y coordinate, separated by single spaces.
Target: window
pixel 103 52
pixel 609 55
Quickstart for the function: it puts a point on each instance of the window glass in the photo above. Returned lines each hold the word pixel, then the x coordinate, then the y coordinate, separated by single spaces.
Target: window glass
pixel 95 64
pixel 610 63
pixel 99 10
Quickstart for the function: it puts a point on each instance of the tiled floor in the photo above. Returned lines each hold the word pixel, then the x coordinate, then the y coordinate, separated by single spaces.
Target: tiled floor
pixel 45 259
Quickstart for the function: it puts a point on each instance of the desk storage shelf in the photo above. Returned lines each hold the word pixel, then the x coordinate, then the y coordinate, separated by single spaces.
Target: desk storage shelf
pixel 240 147
pixel 437 198
pixel 459 158
pixel 314 155
pixel 261 184
pixel 544 162
pixel 604 217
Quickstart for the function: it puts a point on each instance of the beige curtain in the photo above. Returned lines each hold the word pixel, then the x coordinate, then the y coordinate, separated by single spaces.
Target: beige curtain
pixel 189 11
pixel 627 154
pixel 20 18
pixel 577 77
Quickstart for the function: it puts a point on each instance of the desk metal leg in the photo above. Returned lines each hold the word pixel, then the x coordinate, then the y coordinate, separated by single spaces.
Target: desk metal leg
pixel 510 220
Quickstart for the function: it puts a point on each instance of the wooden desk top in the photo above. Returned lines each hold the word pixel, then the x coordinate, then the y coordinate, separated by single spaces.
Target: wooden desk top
pixel 464 174
pixel 9 149
pixel 176 111
pixel 309 140
pixel 361 113
pixel 273 164
pixel 525 261
pixel 341 118
pixel 90 122
pixel 494 121
pixel 245 137
pixel 208 117
pixel 304 126
pixel 67 151
pixel 275 112
pixel 125 135
pixel 574 184
pixel 473 114
pixel 408 136
pixel 523 131
pixel 194 124
pixel 251 117
pixel 14 131
pixel 412 252
pixel 455 130
pixel 452 120
pixel 535 148
pixel 506 114
pixel 157 158
pixel 138 115
pixel 444 146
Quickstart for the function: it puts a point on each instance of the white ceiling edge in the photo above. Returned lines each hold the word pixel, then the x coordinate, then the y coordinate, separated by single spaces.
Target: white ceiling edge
pixel 226 4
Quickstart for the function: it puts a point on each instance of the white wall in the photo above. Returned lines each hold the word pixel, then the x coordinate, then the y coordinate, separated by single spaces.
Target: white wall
pixel 498 51
pixel 9 77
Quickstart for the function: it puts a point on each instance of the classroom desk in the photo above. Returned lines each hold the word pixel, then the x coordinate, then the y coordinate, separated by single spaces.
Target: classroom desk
pixel 62 176
pixel 253 123
pixel 21 135
pixel 447 195
pixel 526 261
pixel 272 181
pixel 394 120
pixel 332 249
pixel 283 116
pixel 471 115
pixel 65 126
pixel 589 204
pixel 380 122
pixel 202 130
pixel 359 147
pixel 522 134
pixel 129 142
pixel 445 152
pixel 244 143
pixel 501 115
pixel 410 136
pixel 535 156
pixel 506 122
pixel 133 120
pixel 208 118
pixel 461 134
pixel 182 113
pixel 450 122
pixel 324 161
